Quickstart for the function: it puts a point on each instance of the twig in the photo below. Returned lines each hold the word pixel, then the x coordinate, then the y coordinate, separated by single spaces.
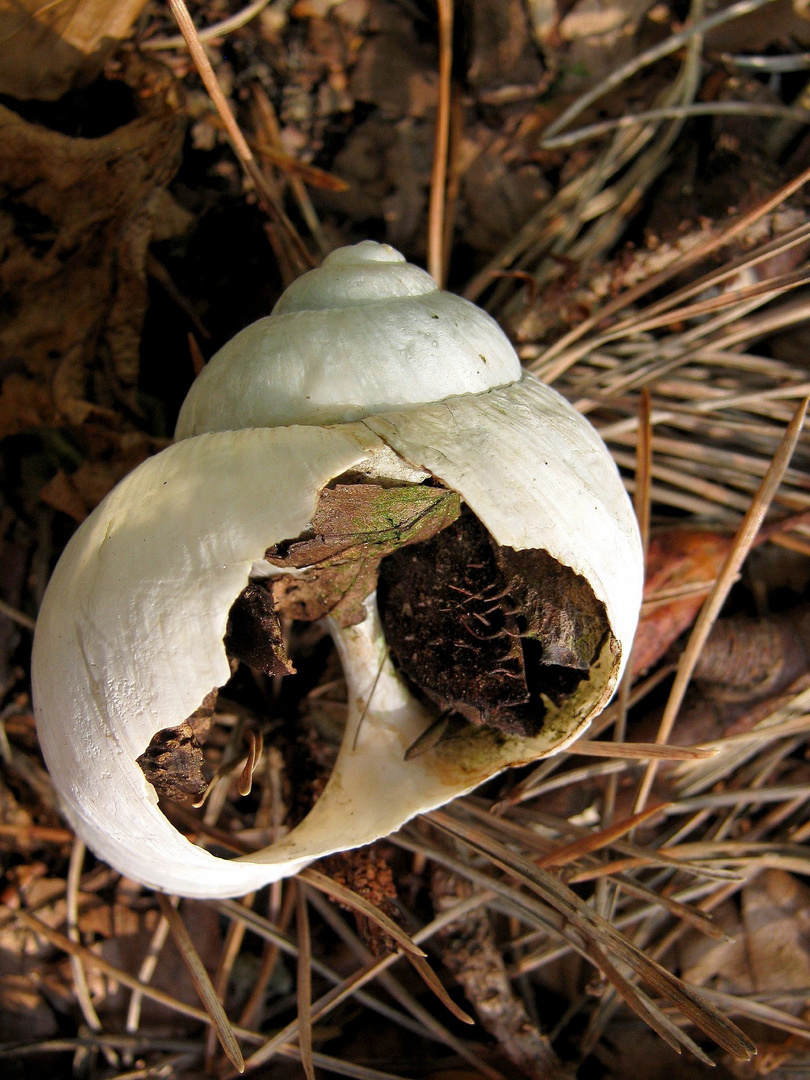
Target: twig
pixel 210 33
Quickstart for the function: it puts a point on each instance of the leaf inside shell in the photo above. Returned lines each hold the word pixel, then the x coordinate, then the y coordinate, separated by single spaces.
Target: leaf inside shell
pixel 354 527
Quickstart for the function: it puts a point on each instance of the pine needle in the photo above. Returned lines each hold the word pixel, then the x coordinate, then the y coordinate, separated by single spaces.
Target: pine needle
pixel 213 1006
pixel 304 985
pixel 743 542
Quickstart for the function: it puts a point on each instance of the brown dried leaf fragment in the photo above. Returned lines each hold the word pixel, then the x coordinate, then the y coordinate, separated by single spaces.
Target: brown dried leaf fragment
pixel 172 763
pixel 77 214
pixel 354 526
pixel 336 590
pixel 487 631
pixel 682 565
pixel 254 632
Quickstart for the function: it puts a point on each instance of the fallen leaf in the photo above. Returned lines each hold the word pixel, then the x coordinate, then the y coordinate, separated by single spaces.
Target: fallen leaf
pixel 682 565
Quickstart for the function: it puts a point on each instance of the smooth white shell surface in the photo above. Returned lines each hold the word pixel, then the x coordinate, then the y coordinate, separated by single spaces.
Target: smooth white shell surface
pixel 363 333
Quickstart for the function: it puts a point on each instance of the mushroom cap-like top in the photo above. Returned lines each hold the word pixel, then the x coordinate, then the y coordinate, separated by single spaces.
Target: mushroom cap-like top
pixel 364 333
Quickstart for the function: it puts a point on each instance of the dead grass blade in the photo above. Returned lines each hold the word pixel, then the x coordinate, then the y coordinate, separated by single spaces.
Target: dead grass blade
pixel 674 112
pixel 646 1009
pixel 751 1009
pixel 534 818
pixel 376 968
pixel 147 970
pixel 213 1006
pixel 640 751
pixel 358 903
pixel 761 735
pixel 430 1026
pixel 264 929
pixel 714 278
pixel 434 983
pixel 743 542
pixel 683 912
pixel 596 841
pixel 17 616
pixel 670 45
pixel 72 923
pixel 562 355
pixel 270 955
pixel 698 776
pixel 231 947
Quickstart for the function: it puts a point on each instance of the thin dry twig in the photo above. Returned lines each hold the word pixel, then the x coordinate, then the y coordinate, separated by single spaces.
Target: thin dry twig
pixel 210 33
pixel 265 192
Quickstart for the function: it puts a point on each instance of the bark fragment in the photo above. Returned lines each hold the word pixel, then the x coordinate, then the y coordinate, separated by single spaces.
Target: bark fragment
pixel 172 763
pixel 254 633
pixel 470 953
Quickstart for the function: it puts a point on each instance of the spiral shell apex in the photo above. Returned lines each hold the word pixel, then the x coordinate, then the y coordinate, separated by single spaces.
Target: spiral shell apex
pixel 363 333
pixel 366 381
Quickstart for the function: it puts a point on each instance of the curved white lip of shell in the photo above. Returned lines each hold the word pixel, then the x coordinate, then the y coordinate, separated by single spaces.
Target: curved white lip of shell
pixel 131 632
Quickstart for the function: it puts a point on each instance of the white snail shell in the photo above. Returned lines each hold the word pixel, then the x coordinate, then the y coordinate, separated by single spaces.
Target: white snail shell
pixel 365 366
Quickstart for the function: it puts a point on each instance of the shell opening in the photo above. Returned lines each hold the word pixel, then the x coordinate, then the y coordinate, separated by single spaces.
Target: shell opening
pixel 497 647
